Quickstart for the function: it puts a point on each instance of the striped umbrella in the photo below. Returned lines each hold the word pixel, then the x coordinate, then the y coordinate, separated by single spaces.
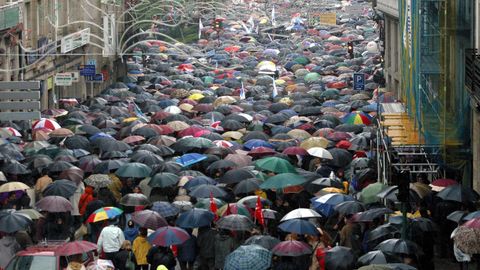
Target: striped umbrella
pixel 45 123
pixel 357 118
pixel 167 236
pixel 104 213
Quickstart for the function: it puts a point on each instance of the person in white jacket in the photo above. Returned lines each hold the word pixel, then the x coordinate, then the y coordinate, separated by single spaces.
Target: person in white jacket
pixel 110 241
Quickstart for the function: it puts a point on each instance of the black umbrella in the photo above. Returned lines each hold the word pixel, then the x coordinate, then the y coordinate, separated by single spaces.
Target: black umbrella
pixel 259 135
pixel 456 216
pixel 341 157
pixel 113 155
pixel 265 241
pixel 231 125
pixel 89 129
pixel 163 180
pixel 63 188
pixel 372 257
pixel 277 118
pixel 12 221
pixel 39 162
pixel 77 142
pixel 147 158
pixel 148 147
pixel 59 166
pixel 349 128
pixel 398 246
pixel 145 132
pixel 237 175
pixel 247 186
pixel 349 207
pixel 169 166
pixel 15 168
pixel 205 191
pixel 382 232
pixel 164 151
pixel 108 166
pixel 458 193
pixel 220 165
pixel 371 214
pixel 88 163
pixel 113 145
pixel 340 258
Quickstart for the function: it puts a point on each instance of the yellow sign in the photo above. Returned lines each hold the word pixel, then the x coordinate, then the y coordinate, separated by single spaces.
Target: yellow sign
pixel 325 18
pixel 50 83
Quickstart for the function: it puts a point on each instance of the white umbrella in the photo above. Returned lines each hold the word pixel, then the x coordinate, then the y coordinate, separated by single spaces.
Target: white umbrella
pixel 320 152
pixel 173 110
pixel 301 213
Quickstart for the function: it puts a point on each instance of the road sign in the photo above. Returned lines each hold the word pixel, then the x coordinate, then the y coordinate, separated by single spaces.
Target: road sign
pixel 359 81
pixel 87 70
pixel 95 78
pixel 92 62
pixel 63 79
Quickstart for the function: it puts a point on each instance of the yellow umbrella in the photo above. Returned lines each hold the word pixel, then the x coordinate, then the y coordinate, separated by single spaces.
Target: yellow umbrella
pixel 196 96
pixel 186 107
pixel 224 100
pixel 13 186
pixel 299 134
pixel 333 190
pixel 266 66
pixel 233 135
pixel 129 119
pixel 314 142
pixel 178 125
pixel 286 100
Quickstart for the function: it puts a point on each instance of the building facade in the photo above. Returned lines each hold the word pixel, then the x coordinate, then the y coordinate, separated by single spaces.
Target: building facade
pixel 54 37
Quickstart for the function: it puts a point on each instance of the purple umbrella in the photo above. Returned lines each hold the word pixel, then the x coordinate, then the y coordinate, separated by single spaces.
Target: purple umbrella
pixel 54 204
pixel 149 219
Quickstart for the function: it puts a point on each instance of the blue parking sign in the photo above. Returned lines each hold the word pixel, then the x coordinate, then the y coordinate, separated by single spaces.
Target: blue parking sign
pixel 359 81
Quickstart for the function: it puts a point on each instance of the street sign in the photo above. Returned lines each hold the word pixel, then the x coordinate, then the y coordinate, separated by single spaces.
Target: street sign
pixel 95 78
pixel 75 76
pixel 359 81
pixel 63 79
pixel 92 62
pixel 87 70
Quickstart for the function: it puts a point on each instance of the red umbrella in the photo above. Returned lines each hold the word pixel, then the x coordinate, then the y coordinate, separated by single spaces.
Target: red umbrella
pixel 76 247
pixel 473 223
pixel 295 150
pixel 54 204
pixel 232 49
pixel 291 248
pixel 261 151
pixel 444 182
pixel 149 219
pixel 190 131
pixel 343 144
pixel 185 67
pixel 166 130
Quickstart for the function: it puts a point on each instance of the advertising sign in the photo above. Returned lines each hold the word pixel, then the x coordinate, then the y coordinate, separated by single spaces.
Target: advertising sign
pixel 75 40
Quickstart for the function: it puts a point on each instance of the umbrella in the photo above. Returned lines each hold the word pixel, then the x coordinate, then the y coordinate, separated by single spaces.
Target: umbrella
pixel 74 174
pixel 341 258
pixel 235 222
pixel 98 180
pixel 467 240
pixel 298 226
pixel 388 266
pixel 165 209
pixel 195 218
pixel 458 193
pixel 385 231
pixel 349 207
pixel 320 153
pixel 326 203
pixel 440 184
pixel 301 213
pixel 283 180
pixel 104 213
pixel 149 219
pixel 373 257
pixel 134 199
pixel 75 247
pixel 292 248
pixel 275 164
pixel 133 170
pixel 45 123
pixel 16 168
pixel 234 208
pixel 236 176
pixel 13 186
pixel 205 191
pixel 64 188
pixel 190 159
pixel 109 165
pixel 168 236
pixel 204 203
pixel 248 257
pixel 314 142
pixel 356 118
pixel 456 216
pixel 398 246
pixel 371 214
pixel 59 166
pixel 12 221
pixel 247 186
pixel 220 165
pixel 54 204
pixel 199 180
pixel 370 192
pixel 265 241
pixel 32 213
pixel 163 180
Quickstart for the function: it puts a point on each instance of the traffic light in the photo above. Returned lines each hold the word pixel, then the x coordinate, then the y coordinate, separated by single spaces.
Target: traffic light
pixel 350 49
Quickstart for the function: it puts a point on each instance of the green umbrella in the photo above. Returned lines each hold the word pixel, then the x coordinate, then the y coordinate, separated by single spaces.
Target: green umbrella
pixel 275 164
pixel 369 193
pixel 330 94
pixel 302 60
pixel 311 77
pixel 133 170
pixel 204 203
pixel 164 179
pixel 283 180
pixel 208 80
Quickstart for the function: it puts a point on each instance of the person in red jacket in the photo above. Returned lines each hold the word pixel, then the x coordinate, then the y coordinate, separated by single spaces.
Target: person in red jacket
pixel 86 197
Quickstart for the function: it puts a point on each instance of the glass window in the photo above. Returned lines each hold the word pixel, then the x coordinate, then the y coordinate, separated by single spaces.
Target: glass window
pixel 33 263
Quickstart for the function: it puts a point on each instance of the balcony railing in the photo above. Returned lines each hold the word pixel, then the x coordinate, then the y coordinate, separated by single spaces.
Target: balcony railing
pixel 472 73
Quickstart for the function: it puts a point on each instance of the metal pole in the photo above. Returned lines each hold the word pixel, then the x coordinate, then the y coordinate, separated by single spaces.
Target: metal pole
pixel 91 88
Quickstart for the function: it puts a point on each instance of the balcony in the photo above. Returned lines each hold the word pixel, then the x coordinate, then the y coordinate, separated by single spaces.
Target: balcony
pixel 389 7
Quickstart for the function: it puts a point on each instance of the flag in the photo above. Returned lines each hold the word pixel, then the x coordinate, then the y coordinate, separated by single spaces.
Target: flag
pixel 134 109
pixel 251 22
pixel 273 17
pixel 242 92
pixel 200 27
pixel 275 90
pixel 258 212
pixel 213 206
pixel 247 30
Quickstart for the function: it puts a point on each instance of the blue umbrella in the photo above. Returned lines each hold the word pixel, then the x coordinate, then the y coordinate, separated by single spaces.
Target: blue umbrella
pixel 199 180
pixel 204 191
pixel 299 226
pixel 190 159
pixel 326 203
pixel 250 144
pixel 194 218
pixel 100 135
pixel 165 209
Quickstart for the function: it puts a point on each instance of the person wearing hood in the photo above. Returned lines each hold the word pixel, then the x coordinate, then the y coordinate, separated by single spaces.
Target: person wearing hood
pixel 9 246
pixel 86 198
pixel 110 241
pixel 130 231
pixel 140 249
